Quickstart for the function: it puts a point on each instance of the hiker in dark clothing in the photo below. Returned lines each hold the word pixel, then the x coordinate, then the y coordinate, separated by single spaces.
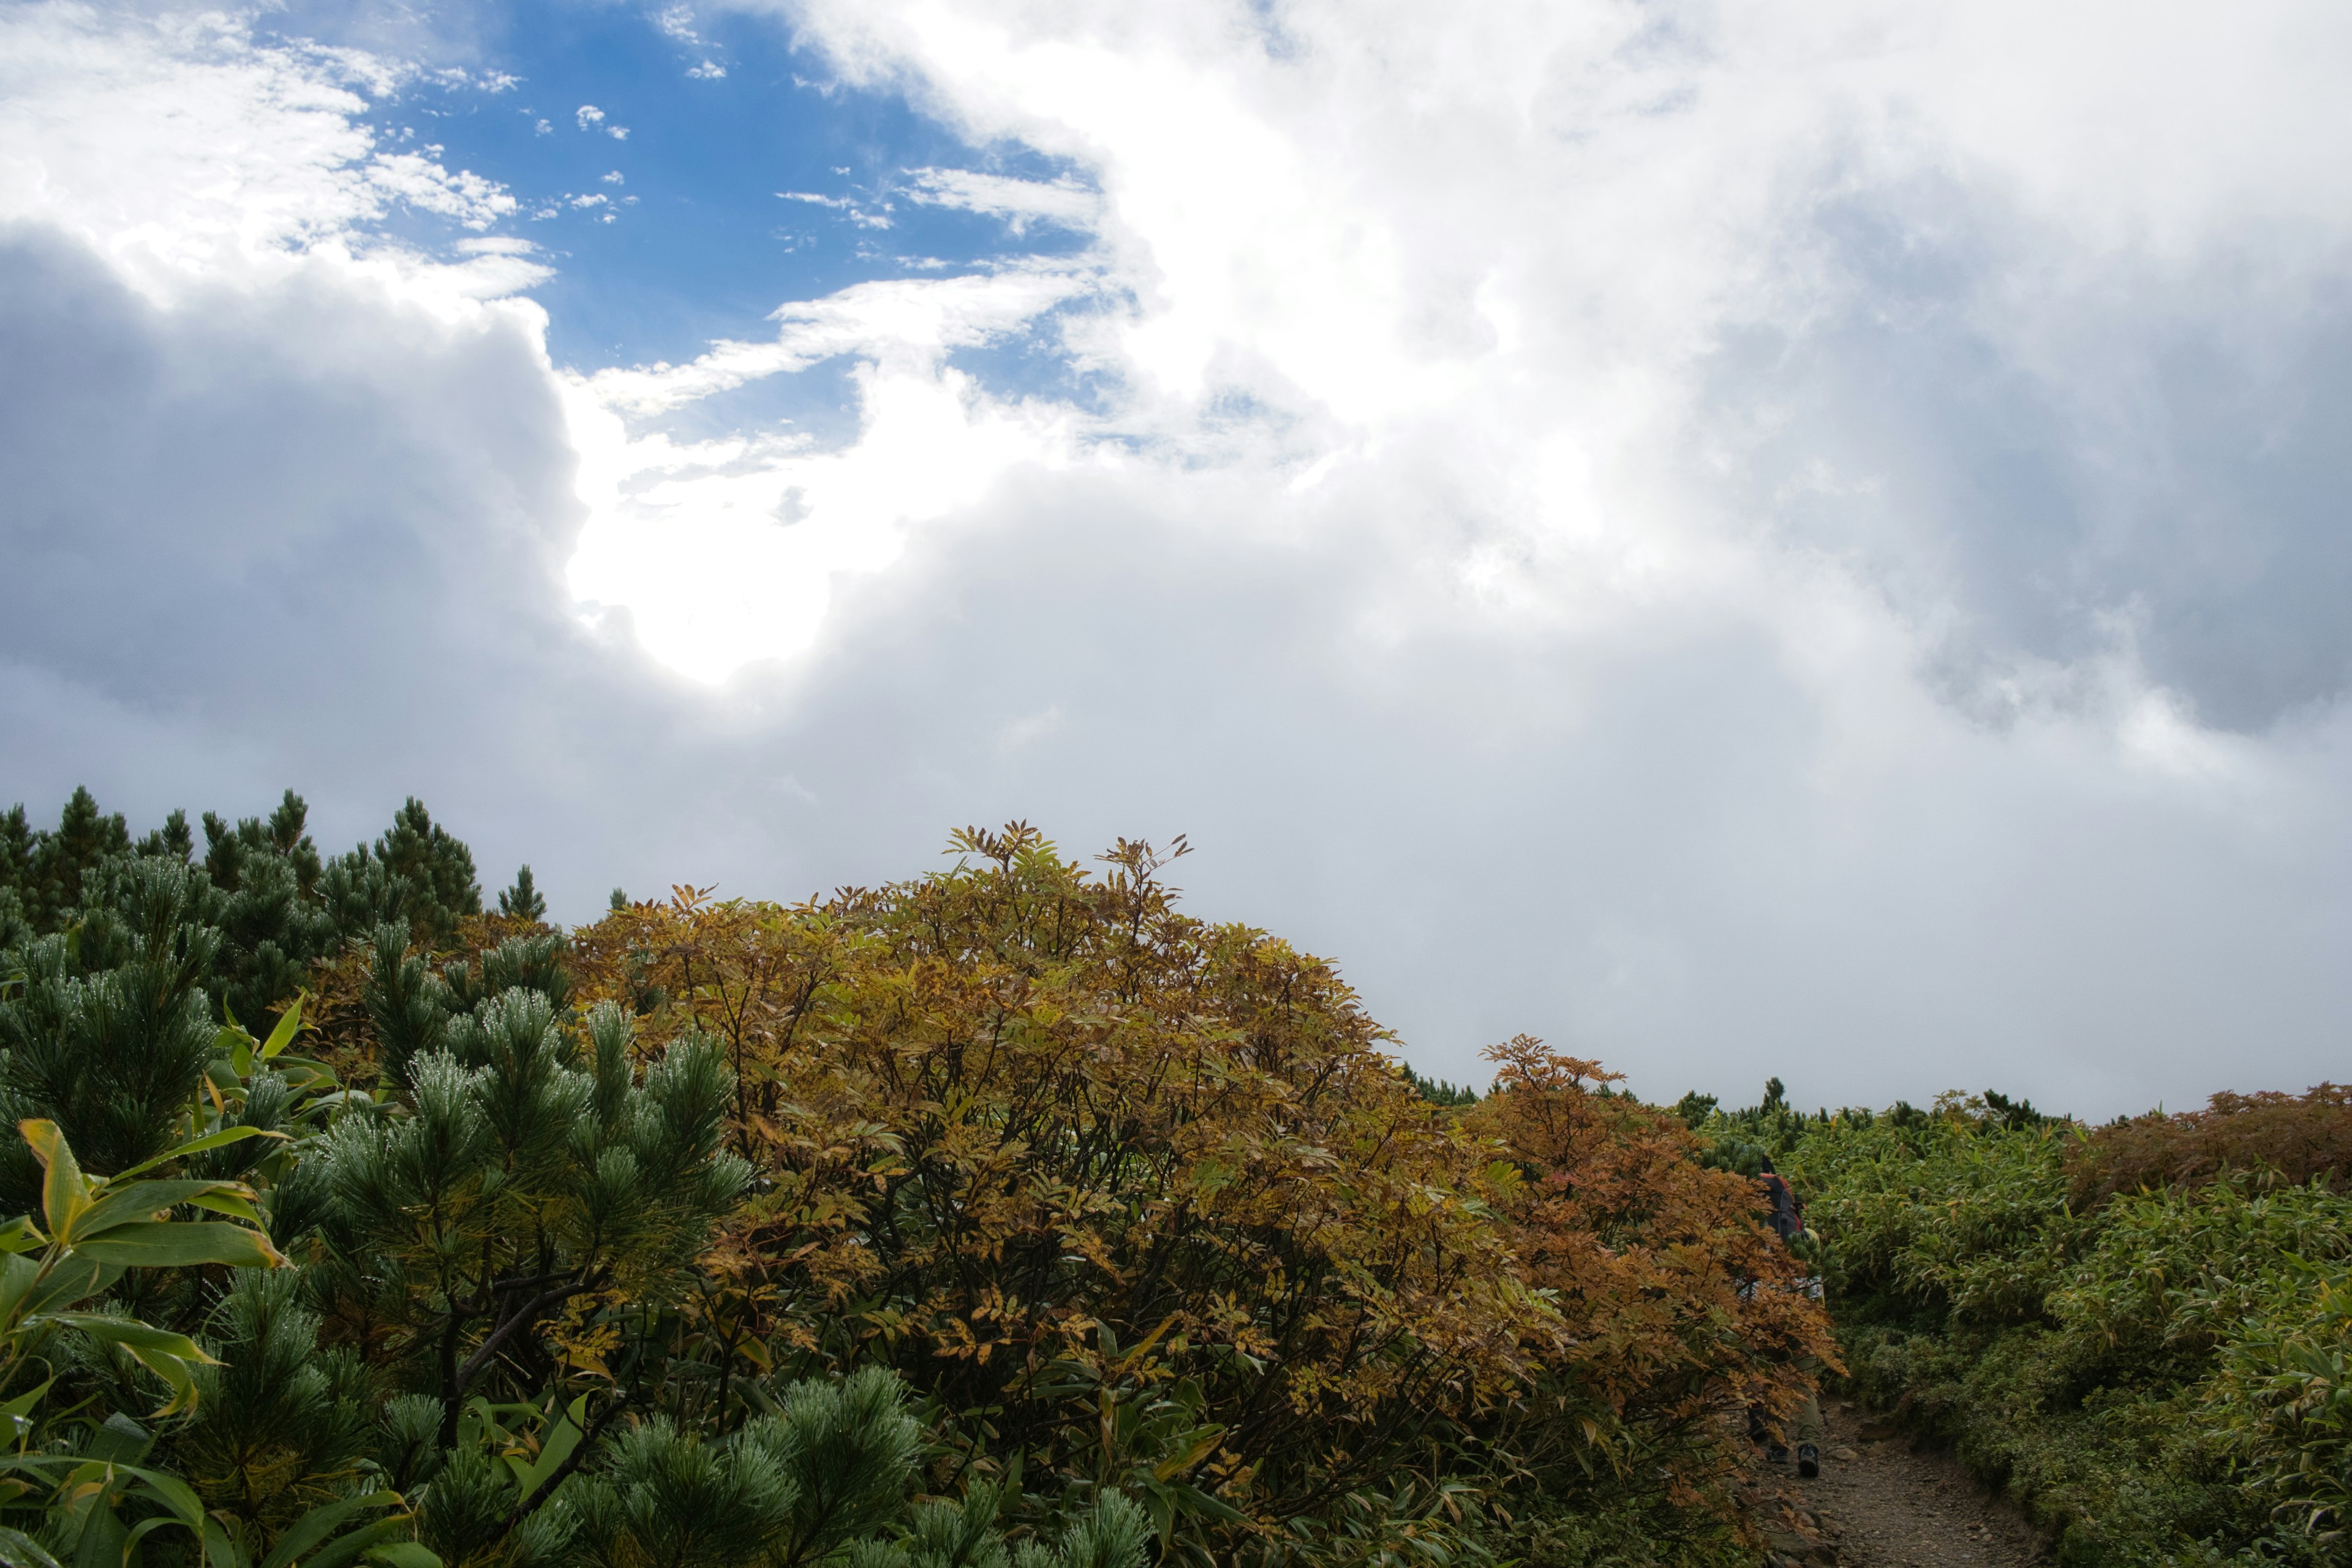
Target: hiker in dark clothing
pixel 1789 1220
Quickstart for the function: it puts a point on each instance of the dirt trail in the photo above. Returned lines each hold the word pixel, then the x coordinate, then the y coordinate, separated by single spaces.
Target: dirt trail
pixel 1877 1504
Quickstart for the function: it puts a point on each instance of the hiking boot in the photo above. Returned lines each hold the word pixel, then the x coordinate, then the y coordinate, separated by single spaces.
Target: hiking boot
pixel 1776 1454
pixel 1809 1460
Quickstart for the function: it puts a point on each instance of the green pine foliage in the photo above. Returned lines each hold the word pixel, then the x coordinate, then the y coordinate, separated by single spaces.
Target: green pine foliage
pixel 1438 1091
pixel 417 873
pixel 522 901
pixel 447 1321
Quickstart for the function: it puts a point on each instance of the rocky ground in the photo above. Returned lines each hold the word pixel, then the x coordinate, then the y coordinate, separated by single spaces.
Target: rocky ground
pixel 1878 1504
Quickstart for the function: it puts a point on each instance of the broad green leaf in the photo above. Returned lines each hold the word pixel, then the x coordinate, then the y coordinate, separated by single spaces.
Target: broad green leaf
pixel 227 1202
pixel 281 1036
pixel 171 1244
pixel 348 1548
pixel 166 1355
pixel 562 1438
pixel 322 1522
pixel 221 1139
pixel 23 1404
pixel 143 1200
pixel 19 1550
pixel 70 1278
pixel 144 1528
pixel 132 1335
pixel 176 1375
pixel 1197 1501
pixel 119 1441
pixel 171 1492
pixel 64 1194
pixel 403 1554
pixel 20 1235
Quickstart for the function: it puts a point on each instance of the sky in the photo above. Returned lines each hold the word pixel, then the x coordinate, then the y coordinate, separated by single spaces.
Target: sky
pixel 1740 539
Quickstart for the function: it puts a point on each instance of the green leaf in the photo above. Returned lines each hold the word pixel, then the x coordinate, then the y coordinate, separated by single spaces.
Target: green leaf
pixel 134 1334
pixel 181 1244
pixel 322 1522
pixel 281 1036
pixel 23 1404
pixel 19 1275
pixel 347 1547
pixel 403 1554
pixel 18 1550
pixel 64 1194
pixel 166 1355
pixel 1197 1501
pixel 171 1492
pixel 562 1438
pixel 70 1278
pixel 20 1235
pixel 231 1205
pixel 221 1139
pixel 140 1201
pixel 119 1441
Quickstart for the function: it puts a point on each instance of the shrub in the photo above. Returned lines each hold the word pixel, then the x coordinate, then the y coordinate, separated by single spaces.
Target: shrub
pixel 2281 1139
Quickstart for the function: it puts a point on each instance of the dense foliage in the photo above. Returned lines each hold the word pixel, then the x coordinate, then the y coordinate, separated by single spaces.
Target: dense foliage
pixel 1006 1217
pixel 2140 1330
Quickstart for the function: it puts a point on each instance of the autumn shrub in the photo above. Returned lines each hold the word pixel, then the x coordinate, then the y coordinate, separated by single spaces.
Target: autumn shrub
pixel 1141 1201
pixel 1006 1215
pixel 2286 1139
pixel 1137 1199
pixel 1680 1312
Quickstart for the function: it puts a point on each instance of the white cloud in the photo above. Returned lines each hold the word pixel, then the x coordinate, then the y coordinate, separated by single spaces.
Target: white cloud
pixel 783 522
pixel 709 70
pixel 181 150
pixel 1063 202
pixel 589 116
pixel 1657 526
pixel 427 186
pixel 909 322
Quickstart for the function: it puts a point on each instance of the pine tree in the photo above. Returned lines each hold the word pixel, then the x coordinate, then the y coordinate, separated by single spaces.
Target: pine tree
pixel 522 901
pixel 172 840
pixel 113 1029
pixel 523 1173
pixel 45 868
pixel 417 872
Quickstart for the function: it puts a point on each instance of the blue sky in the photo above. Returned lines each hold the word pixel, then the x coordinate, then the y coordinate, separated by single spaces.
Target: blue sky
pixel 655 157
pixel 1806 541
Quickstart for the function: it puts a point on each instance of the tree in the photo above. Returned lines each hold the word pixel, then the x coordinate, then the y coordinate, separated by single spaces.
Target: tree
pixel 522 902
pixel 417 872
pixel 45 868
pixel 520 1174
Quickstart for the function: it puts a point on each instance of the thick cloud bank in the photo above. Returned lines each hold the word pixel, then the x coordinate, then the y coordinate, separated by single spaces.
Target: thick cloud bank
pixel 1747 544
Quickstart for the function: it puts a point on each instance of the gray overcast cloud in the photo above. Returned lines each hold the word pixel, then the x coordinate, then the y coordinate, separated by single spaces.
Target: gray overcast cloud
pixel 1739 541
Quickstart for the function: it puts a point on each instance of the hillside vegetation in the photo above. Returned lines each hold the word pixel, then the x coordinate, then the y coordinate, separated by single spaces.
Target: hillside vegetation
pixel 2140 1330
pixel 1008 1217
pixel 1004 1215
